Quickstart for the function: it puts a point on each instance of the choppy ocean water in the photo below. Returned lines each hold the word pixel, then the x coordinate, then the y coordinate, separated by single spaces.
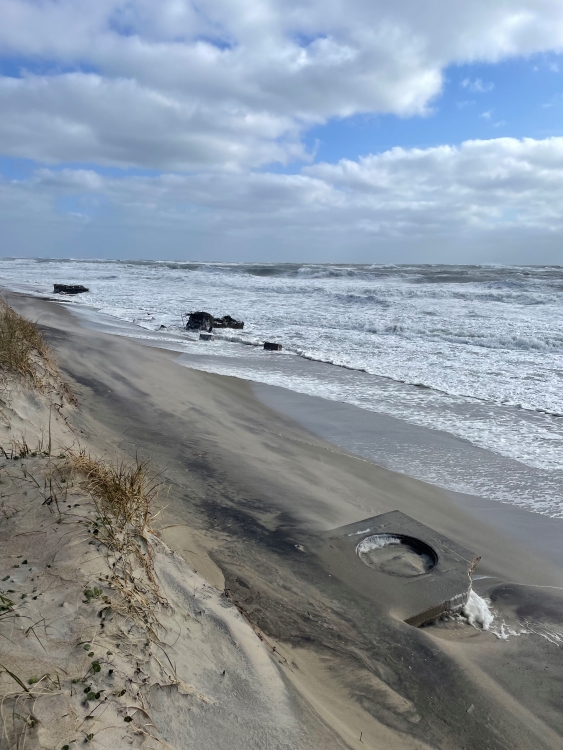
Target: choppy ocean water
pixel 473 351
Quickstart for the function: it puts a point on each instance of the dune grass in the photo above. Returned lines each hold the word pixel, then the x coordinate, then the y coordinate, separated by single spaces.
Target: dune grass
pixel 124 494
pixel 20 340
pixel 24 354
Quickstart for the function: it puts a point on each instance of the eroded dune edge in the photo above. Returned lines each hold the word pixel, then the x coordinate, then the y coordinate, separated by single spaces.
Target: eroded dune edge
pixel 164 583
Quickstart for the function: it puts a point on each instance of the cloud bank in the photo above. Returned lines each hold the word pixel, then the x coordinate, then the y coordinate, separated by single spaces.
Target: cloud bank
pixel 204 98
pixel 484 195
pixel 232 84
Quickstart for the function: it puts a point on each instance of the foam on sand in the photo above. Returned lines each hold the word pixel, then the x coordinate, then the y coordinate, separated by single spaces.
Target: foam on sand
pixel 477 611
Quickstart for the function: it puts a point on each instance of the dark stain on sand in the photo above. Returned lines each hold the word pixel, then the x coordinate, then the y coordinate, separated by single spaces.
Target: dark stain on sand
pixel 398 674
pixel 393 671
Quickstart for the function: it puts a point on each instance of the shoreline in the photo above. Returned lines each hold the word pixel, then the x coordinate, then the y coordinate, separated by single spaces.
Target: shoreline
pixel 162 644
pixel 248 484
pixel 356 431
pixel 538 533
pixel 431 454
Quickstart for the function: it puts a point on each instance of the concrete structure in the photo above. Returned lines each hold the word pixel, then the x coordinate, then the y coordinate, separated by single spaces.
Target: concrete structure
pixel 270 346
pixel 415 572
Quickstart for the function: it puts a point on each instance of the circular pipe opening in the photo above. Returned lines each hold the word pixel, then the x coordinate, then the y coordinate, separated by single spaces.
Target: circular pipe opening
pixel 397 554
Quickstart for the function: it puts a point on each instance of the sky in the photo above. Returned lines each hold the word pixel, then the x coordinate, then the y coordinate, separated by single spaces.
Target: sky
pixel 276 130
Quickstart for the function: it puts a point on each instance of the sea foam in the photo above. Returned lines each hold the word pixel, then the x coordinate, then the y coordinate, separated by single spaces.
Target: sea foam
pixel 475 352
pixel 477 611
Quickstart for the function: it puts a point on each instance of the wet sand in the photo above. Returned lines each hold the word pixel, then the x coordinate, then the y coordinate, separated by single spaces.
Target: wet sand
pixel 364 434
pixel 248 483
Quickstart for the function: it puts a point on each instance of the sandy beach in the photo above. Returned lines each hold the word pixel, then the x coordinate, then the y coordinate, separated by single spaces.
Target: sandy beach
pixel 255 477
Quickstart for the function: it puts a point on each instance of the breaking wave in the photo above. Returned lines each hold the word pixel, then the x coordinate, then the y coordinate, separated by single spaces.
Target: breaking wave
pixel 434 339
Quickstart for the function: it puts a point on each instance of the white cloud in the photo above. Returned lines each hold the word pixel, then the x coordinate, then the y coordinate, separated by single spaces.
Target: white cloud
pixel 209 92
pixel 484 198
pixel 554 101
pixel 84 117
pixel 486 115
pixel 477 86
pixel 224 84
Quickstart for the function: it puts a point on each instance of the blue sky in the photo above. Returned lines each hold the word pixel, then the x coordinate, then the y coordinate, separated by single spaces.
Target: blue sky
pixel 522 98
pixel 267 131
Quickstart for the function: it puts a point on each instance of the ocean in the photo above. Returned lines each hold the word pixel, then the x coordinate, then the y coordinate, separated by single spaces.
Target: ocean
pixel 475 352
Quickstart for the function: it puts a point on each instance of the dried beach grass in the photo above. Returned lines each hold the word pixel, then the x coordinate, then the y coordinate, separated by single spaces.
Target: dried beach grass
pixel 25 354
pixel 123 494
pixel 20 339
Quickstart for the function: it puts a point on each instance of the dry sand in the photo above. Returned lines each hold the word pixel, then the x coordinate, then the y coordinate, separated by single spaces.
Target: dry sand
pixel 249 493
pixel 72 672
pixel 75 667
